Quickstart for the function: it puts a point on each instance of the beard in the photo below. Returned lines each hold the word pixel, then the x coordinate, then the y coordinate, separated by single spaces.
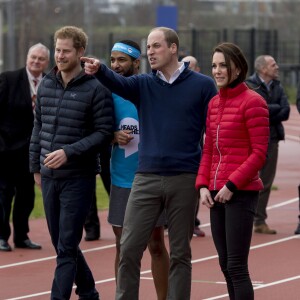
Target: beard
pixel 129 72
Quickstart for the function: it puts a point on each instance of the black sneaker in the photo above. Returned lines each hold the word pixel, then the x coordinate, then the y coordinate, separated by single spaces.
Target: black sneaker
pixel 297 231
pixel 4 245
pixel 90 237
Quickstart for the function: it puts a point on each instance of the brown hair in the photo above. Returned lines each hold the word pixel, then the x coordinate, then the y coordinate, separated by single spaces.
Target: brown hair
pixel 170 35
pixel 78 36
pixel 233 53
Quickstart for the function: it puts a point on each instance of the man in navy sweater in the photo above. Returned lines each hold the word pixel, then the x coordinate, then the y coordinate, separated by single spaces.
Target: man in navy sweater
pixel 172 102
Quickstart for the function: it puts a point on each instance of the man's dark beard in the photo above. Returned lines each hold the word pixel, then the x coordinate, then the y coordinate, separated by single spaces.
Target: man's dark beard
pixel 129 72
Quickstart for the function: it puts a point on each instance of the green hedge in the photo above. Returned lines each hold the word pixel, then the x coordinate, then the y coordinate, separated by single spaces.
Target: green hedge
pixel 291 92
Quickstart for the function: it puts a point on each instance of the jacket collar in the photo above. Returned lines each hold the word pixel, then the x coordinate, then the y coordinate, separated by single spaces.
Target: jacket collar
pixel 186 71
pixel 233 92
pixel 255 78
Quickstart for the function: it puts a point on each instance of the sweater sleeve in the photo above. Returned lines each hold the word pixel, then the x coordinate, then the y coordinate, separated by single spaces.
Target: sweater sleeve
pixel 126 87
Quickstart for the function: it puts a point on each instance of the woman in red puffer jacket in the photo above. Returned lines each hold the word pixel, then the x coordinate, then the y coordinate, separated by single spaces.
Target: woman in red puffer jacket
pixel 237 132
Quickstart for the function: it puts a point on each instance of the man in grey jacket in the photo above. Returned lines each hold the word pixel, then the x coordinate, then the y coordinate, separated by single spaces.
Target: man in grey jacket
pixel 265 82
pixel 74 119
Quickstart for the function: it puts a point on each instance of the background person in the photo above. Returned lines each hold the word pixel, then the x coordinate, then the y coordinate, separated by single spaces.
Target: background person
pixel 235 149
pixel 17 100
pixel 92 223
pixel 74 119
pixel 193 65
pixel 169 154
pixel 297 231
pixel 125 60
pixel 265 82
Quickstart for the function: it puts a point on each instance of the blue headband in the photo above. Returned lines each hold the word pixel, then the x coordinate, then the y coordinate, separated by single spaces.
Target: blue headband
pixel 129 50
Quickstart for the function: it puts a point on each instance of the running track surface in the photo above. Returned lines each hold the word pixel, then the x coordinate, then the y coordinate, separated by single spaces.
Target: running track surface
pixel 274 259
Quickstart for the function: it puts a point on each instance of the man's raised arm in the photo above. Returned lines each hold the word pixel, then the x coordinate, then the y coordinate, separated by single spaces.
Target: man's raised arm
pixel 91 65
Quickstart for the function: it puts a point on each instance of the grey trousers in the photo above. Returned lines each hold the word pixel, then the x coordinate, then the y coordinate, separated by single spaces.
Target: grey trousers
pixel 151 194
pixel 267 175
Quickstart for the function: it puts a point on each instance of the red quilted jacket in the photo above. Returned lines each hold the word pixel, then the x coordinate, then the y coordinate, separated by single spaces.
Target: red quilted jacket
pixel 237 133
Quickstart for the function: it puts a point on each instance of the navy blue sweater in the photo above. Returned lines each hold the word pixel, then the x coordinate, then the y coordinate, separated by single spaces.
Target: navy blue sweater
pixel 172 117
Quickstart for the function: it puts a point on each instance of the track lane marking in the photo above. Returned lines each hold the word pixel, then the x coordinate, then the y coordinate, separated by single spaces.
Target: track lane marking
pixel 149 271
pixel 193 262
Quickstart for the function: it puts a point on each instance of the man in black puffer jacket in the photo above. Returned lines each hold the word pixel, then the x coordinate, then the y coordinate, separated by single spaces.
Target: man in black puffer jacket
pixel 74 120
pixel 265 82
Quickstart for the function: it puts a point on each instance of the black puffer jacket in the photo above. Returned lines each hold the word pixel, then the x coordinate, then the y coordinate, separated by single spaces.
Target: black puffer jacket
pixel 77 119
pixel 278 105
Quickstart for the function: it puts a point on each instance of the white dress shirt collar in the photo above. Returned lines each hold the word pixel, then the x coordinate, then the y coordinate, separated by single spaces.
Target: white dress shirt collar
pixel 174 76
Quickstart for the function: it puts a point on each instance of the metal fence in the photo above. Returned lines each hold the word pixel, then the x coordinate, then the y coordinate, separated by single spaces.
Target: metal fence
pixel 198 43
pixel 253 42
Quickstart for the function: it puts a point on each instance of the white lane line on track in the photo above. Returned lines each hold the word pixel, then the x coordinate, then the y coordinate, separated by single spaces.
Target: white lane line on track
pixel 268 208
pixel 290 126
pixel 260 286
pixel 251 248
pixel 283 203
pixel 113 245
pixel 49 292
pixel 149 271
pixel 292 138
pixel 193 262
pixel 52 257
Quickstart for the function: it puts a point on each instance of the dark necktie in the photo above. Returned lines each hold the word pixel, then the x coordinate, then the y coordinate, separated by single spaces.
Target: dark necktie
pixel 35 81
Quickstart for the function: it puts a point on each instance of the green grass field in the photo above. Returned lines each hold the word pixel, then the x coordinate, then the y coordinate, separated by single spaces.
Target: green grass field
pixel 102 200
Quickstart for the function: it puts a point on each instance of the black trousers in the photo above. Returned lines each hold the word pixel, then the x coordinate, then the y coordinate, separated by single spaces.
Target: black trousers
pixel 231 226
pixel 267 175
pixel 16 184
pixel 92 223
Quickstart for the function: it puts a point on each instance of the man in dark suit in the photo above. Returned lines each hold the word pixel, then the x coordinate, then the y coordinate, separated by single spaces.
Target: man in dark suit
pixel 265 81
pixel 17 101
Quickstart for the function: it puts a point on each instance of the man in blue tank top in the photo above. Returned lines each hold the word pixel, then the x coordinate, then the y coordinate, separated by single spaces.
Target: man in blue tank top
pixel 125 60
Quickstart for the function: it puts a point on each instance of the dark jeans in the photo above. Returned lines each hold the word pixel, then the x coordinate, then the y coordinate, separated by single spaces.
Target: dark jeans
pixel 231 226
pixel 16 183
pixel 267 175
pixel 66 203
